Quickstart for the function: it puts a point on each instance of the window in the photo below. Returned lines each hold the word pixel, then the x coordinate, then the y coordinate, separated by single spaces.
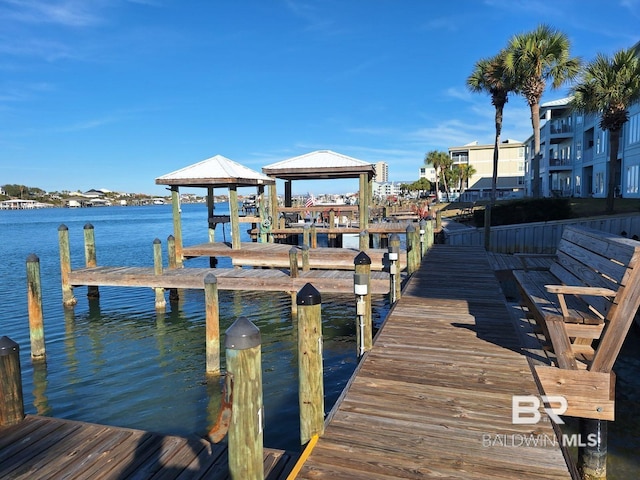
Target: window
pixel 578 184
pixel 634 129
pixel 578 150
pixel 632 178
pixel 601 141
pixel 598 184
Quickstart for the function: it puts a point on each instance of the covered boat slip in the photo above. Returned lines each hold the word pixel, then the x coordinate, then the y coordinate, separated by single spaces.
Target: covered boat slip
pixel 433 398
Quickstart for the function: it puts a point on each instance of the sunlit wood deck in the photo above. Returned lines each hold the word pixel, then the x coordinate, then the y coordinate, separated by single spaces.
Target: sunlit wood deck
pixel 276 255
pixel 51 448
pixel 271 280
pixel 433 398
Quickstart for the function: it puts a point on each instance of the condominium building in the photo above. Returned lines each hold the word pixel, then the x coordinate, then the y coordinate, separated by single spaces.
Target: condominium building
pixel 575 154
pixel 511 166
pixel 382 172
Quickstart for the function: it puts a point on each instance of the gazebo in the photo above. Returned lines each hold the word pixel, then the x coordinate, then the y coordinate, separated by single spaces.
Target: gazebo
pixel 323 164
pixel 214 172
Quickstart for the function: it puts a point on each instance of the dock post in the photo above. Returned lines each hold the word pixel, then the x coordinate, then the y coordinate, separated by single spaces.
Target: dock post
pixel 305 236
pixel 174 296
pixel 313 230
pixel 242 346
pixel 363 240
pixel 362 290
pixel 394 268
pixel 305 258
pixel 412 249
pixel 177 222
pixel 12 405
pixel 90 256
pixel 592 451
pixel 429 234
pixel 423 240
pixel 438 219
pixel 34 298
pixel 212 334
pixel 293 262
pixel 65 266
pixel 161 303
pixel 310 383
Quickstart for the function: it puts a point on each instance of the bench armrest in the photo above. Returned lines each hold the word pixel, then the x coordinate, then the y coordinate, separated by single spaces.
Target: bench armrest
pixel 578 290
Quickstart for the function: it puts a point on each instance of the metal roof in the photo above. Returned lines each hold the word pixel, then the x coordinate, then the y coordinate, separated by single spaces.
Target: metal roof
pixel 216 171
pixel 321 164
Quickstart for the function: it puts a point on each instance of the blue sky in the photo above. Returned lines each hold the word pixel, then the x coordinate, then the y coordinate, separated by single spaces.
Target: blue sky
pixel 114 93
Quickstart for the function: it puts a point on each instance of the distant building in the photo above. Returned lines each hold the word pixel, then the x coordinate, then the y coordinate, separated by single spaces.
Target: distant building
pixel 427 172
pixel 386 189
pixel 510 182
pixel 382 172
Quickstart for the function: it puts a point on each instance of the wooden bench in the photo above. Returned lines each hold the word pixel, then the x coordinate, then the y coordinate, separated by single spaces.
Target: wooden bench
pixel 585 304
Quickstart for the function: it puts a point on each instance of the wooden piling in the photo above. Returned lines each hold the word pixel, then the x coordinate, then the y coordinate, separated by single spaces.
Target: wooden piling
pixel 310 382
pixel 11 399
pixel 245 437
pixel 413 249
pixel 362 290
pixel 395 286
pixel 235 217
pixel 592 450
pixel 423 239
pixel 293 262
pixel 90 256
pixel 429 234
pixel 363 240
pixel 65 266
pixel 438 219
pixel 313 232
pixel 177 223
pixel 305 258
pixel 212 334
pixel 34 297
pixel 305 236
pixel 487 227
pixel 161 303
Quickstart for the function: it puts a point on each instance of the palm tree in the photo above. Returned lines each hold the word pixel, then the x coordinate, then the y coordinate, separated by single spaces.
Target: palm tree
pixel 465 172
pixel 438 160
pixel 491 75
pixel 535 58
pixel 608 86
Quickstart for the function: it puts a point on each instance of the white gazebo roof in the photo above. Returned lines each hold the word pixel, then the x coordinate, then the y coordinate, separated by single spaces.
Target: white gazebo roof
pixel 217 171
pixel 321 164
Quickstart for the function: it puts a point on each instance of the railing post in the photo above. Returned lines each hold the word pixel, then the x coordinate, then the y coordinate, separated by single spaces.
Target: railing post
pixel 34 298
pixel 90 257
pixel 65 266
pixel 12 405
pixel 212 324
pixel 242 347
pixel 592 451
pixel 412 249
pixel 362 290
pixel 394 268
pixel 161 303
pixel 310 383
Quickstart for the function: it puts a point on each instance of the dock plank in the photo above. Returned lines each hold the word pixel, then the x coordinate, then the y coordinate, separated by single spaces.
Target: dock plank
pixel 435 392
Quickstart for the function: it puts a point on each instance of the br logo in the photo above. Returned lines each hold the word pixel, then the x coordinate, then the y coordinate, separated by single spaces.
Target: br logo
pixel 525 409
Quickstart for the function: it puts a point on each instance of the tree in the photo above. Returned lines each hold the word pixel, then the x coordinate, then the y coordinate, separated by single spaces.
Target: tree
pixel 533 59
pixel 465 172
pixel 421 185
pixel 492 76
pixel 439 161
pixel 608 86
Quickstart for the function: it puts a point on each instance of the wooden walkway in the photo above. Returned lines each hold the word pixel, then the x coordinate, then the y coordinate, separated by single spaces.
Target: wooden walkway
pixel 433 398
pixel 271 280
pixel 50 448
pixel 276 255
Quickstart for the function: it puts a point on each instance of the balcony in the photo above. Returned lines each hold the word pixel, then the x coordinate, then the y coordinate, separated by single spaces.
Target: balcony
pixel 560 164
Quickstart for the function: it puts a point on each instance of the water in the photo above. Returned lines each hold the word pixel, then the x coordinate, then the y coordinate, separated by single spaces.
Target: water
pixel 119 362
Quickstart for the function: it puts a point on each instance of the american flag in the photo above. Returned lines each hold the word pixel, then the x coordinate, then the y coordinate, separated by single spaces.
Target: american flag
pixel 310 201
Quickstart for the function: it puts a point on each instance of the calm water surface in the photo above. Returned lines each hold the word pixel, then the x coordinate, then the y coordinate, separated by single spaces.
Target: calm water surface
pixel 119 362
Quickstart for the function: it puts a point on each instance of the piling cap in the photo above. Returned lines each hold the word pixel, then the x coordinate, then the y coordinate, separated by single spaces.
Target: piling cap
pixel 293 250
pixel 33 258
pixel 62 228
pixel 308 295
pixel 8 346
pixel 362 259
pixel 210 278
pixel 411 228
pixel 241 335
pixel 88 226
pixel 156 241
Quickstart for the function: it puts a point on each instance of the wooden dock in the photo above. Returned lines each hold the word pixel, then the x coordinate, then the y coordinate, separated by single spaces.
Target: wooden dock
pixel 271 280
pixel 51 448
pixel 433 398
pixel 276 255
